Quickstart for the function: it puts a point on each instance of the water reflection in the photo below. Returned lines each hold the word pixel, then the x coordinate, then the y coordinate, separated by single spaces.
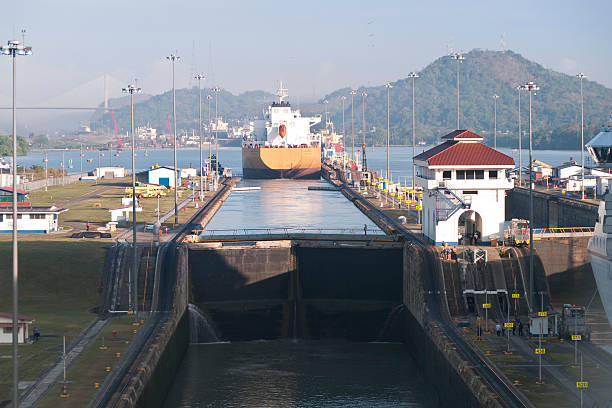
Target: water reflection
pixel 282 373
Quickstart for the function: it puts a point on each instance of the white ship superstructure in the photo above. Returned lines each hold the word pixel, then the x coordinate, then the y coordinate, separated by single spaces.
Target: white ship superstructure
pixel 600 245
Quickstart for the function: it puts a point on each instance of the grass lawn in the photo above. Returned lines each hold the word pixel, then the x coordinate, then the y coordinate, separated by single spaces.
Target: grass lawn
pixel 58 284
pixel 91 366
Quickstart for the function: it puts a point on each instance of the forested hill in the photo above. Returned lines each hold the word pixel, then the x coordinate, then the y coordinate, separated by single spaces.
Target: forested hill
pixel 555 108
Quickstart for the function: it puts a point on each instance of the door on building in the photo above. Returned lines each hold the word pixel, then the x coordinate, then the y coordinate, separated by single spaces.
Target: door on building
pixel 469 228
pixel 164 181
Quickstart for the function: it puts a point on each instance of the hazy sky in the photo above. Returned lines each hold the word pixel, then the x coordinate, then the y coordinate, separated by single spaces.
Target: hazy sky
pixel 314 46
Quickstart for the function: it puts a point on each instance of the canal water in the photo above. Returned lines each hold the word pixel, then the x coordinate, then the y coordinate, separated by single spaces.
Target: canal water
pixel 286 373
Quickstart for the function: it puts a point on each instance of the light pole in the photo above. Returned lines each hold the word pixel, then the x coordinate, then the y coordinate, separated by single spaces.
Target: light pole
pixel 216 90
pixel 173 58
pixel 326 102
pixel 530 87
pixel 581 76
pixel 200 77
pixel 12 49
pixel 413 75
pixel 364 166
pixel 353 93
pixel 495 98
pixel 131 89
pixel 520 139
pixel 457 57
pixel 209 164
pixel 46 171
pixel 388 86
pixel 343 98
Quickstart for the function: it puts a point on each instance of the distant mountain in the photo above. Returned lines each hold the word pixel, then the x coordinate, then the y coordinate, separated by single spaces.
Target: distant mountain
pixel 555 108
pixel 156 110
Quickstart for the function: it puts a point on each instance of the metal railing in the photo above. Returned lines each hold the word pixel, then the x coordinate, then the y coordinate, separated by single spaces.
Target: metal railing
pixel 559 232
pixel 287 232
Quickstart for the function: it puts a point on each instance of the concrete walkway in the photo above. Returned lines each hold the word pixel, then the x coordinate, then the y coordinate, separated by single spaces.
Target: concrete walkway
pixel 46 381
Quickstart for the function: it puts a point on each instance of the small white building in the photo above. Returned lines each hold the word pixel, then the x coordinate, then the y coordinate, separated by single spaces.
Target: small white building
pixel 6 328
pixel 464 187
pixel 6 178
pixel 108 172
pixel 567 169
pixel 189 172
pixel 30 220
pixel 161 175
pixel 122 215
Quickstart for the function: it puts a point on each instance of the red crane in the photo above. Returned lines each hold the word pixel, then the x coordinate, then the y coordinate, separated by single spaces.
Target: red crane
pixel 119 146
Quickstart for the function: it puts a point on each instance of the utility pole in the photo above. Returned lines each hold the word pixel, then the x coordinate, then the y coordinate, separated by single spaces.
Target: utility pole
pixel 353 93
pixel 46 160
pixel 495 97
pixel 581 76
pixel 200 77
pixel 459 58
pixel 131 89
pixel 343 98
pixel 520 139
pixel 12 49
pixel 388 86
pixel 413 75
pixel 364 167
pixel 209 164
pixel 530 87
pixel 216 90
pixel 173 58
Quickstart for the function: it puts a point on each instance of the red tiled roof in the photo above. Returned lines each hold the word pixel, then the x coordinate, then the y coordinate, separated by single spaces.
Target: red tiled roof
pixel 11 190
pixel 462 134
pixel 19 317
pixel 453 153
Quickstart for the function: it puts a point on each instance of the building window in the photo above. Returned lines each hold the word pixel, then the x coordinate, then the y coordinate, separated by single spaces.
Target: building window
pixel 469 174
pixel 460 174
pixel 7 330
pixel 492 174
pixel 465 192
pixel 10 216
pixel 37 216
pixel 479 174
pixel 1 217
pixel 446 175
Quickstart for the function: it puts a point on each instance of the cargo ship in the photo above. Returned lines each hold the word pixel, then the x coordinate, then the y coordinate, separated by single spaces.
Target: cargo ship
pixel 600 245
pixel 282 144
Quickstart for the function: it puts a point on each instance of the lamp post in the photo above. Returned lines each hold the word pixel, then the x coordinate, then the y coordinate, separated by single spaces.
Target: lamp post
pixel 46 171
pixel 209 164
pixel 216 90
pixel 200 77
pixel 520 138
pixel 343 98
pixel 457 57
pixel 581 76
pixel 173 58
pixel 363 102
pixel 131 89
pixel 388 86
pixel 413 75
pixel 353 93
pixel 12 49
pixel 326 102
pixel 530 87
pixel 495 98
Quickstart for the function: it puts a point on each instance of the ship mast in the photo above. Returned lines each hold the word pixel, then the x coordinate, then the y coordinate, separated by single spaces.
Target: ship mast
pixel 281 93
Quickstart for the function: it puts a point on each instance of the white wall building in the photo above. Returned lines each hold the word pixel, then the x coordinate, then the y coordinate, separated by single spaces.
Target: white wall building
pixel 6 179
pixel 566 170
pixel 6 328
pixel 464 187
pixel 30 220
pixel 109 172
pixel 161 175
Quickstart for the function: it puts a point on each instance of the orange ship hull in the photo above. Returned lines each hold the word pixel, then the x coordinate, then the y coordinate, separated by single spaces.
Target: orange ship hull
pixel 281 162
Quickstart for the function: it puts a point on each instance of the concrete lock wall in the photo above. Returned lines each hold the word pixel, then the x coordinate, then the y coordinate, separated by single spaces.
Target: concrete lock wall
pixel 306 291
pixel 550 211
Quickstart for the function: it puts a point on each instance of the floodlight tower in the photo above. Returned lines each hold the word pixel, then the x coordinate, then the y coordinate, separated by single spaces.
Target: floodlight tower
pixel 353 93
pixel 388 86
pixel 459 58
pixel 209 164
pixel 520 139
pixel 200 77
pixel 413 75
pixel 581 76
pixel 216 90
pixel 343 98
pixel 12 49
pixel 363 102
pixel 173 58
pixel 131 89
pixel 495 98
pixel 530 87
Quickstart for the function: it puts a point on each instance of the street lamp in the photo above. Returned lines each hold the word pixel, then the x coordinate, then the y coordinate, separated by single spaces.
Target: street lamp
pixel 209 164
pixel 457 57
pixel 520 139
pixel 343 98
pixel 353 93
pixel 131 89
pixel 364 167
pixel 413 75
pixel 495 98
pixel 581 76
pixel 326 102
pixel 200 77
pixel 530 87
pixel 216 90
pixel 12 49
pixel 388 86
pixel 173 58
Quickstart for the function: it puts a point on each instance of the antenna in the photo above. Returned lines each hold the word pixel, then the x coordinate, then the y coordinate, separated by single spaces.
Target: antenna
pixel 23 33
pixel 282 92
pixel 502 42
